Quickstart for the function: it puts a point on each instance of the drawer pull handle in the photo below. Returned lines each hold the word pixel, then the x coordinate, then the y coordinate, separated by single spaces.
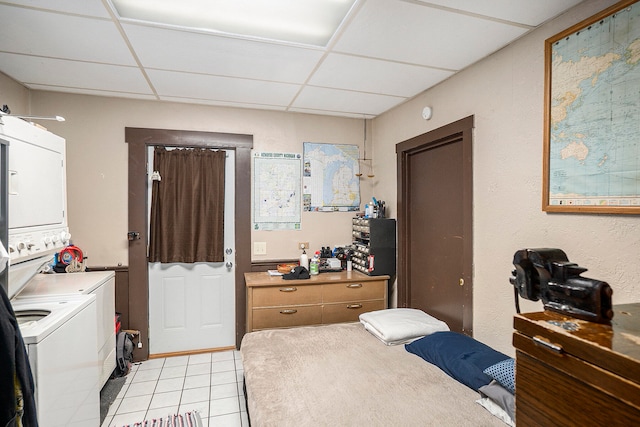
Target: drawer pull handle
pixel 288 311
pixel 547 345
pixel 353 306
pixel 354 285
pixel 288 289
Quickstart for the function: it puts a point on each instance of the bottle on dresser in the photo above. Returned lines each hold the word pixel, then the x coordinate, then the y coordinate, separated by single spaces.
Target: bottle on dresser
pixel 314 267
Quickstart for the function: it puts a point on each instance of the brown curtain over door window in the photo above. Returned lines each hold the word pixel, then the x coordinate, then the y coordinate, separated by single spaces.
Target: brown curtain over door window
pixel 187 206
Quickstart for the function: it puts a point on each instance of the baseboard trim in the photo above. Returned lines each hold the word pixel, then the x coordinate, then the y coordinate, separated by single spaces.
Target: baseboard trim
pixel 190 352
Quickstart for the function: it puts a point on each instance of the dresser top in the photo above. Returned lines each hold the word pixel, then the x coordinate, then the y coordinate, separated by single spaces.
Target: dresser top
pixel 615 346
pixel 264 279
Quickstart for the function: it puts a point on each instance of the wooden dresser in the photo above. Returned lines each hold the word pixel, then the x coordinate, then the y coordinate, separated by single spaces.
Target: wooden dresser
pixel 570 372
pixel 273 302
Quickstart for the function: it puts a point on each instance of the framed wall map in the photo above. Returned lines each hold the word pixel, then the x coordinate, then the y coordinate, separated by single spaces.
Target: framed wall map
pixel 592 115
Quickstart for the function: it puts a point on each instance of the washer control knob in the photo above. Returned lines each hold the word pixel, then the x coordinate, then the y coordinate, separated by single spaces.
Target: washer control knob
pixel 65 236
pixel 48 240
pixel 21 246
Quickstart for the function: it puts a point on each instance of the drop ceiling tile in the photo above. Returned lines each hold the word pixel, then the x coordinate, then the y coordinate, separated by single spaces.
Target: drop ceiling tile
pixel 53 35
pixel 200 86
pixel 375 76
pixel 80 7
pixel 344 101
pixel 422 35
pixel 73 74
pixel 525 12
pixel 223 56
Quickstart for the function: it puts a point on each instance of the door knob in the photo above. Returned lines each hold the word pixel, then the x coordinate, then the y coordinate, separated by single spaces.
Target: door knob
pixel 229 264
pixel 228 251
pixel 461 282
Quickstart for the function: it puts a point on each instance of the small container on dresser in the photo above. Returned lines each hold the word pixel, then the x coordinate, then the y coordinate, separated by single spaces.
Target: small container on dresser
pixel 571 372
pixel 374 246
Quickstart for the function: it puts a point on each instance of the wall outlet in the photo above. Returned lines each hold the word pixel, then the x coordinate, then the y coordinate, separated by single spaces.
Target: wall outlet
pixel 303 245
pixel 259 248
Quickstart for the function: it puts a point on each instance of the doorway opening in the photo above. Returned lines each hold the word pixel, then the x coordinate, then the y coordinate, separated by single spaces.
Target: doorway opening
pixel 191 303
pixel 138 140
pixel 435 212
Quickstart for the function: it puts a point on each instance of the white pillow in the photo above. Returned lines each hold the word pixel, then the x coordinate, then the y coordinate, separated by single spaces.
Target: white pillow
pixel 495 410
pixel 401 325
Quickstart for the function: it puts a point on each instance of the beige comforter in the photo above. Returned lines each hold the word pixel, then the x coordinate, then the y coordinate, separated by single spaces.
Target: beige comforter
pixel 341 375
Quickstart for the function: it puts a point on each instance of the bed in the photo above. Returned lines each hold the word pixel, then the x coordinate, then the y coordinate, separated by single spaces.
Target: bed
pixel 341 374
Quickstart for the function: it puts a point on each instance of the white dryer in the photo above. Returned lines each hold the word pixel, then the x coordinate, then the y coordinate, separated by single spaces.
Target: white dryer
pixel 59 332
pixel 98 283
pixel 60 339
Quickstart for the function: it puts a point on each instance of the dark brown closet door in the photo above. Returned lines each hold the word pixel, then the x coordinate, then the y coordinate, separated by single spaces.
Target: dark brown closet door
pixel 435 225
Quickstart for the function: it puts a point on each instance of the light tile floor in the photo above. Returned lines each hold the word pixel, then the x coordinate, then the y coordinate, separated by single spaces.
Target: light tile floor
pixel 210 383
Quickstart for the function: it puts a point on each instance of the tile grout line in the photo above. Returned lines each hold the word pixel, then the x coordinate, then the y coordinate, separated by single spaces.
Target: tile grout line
pixel 237 384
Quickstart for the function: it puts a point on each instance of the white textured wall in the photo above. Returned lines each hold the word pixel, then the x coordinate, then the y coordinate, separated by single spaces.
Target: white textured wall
pixel 14 95
pixel 97 164
pixel 505 94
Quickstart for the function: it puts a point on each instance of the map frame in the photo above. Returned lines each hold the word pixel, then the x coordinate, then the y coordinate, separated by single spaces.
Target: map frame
pixel 270 162
pixel 549 79
pixel 308 187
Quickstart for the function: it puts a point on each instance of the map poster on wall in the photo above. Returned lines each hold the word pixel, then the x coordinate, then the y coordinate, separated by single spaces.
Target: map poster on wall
pixel 276 191
pixel 330 182
pixel 592 115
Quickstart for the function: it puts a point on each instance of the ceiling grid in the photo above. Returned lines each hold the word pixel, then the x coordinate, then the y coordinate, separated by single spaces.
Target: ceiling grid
pixel 383 53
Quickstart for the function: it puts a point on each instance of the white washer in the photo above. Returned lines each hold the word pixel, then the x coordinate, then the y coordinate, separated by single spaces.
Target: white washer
pixel 59 335
pixel 99 283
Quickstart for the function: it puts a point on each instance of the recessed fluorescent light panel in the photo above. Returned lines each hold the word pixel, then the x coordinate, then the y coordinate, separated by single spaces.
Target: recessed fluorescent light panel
pixel 310 22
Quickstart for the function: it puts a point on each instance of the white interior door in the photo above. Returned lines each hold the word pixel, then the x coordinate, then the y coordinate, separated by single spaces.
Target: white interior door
pixel 192 306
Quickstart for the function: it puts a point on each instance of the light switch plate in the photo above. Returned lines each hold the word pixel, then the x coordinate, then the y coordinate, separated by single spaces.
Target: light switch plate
pixel 259 248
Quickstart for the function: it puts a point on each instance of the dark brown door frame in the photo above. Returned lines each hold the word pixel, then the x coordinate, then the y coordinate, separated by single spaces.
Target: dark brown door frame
pixel 462 130
pixel 138 140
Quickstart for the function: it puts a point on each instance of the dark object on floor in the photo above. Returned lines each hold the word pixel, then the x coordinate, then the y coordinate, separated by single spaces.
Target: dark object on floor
pixel 124 354
pixel 108 394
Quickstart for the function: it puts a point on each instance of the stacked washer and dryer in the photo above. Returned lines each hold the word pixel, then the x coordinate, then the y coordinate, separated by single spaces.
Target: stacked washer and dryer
pixel 66 319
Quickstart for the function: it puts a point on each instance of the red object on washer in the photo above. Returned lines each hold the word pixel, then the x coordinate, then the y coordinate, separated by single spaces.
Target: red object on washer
pixel 70 253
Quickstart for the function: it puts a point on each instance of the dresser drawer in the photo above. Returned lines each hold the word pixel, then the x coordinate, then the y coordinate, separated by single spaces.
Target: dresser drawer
pixel 349 312
pixel 285 317
pixel 277 296
pixel 546 396
pixel 354 291
pixel 565 365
